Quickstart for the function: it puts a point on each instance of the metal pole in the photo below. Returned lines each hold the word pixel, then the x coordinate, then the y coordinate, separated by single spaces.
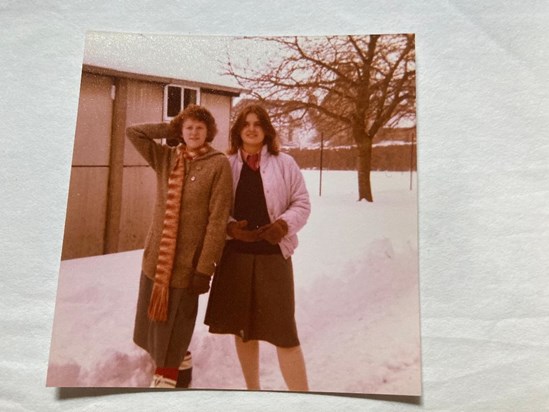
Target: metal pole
pixel 412 136
pixel 321 153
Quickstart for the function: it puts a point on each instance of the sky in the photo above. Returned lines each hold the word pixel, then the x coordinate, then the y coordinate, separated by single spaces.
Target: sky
pixel 201 59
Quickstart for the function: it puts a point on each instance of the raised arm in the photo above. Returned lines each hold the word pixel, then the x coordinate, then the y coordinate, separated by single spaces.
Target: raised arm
pixel 146 139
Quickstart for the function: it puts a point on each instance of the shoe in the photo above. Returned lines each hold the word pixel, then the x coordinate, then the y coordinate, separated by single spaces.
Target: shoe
pixel 185 374
pixel 160 381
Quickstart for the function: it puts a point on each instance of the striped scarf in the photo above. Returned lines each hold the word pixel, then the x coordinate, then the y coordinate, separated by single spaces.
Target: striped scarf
pixel 158 305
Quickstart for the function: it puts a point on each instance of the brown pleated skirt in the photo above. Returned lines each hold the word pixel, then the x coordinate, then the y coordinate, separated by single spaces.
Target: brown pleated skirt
pixel 166 342
pixel 252 296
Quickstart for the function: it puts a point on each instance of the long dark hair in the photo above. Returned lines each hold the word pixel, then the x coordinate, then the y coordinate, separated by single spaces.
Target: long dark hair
pixel 271 140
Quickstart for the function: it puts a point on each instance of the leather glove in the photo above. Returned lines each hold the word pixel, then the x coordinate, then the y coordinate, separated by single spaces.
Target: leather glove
pixel 237 230
pixel 274 232
pixel 200 283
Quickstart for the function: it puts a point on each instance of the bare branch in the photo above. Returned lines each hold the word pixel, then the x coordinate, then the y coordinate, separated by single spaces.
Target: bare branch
pixel 344 84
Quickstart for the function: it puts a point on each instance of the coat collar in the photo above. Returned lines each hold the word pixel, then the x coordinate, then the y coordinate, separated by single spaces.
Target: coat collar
pixel 213 152
pixel 264 154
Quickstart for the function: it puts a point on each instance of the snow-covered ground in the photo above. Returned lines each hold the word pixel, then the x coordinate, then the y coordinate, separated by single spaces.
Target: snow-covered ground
pixel 357 304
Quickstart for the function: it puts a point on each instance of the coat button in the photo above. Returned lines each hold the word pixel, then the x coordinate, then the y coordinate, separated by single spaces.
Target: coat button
pixel 193 178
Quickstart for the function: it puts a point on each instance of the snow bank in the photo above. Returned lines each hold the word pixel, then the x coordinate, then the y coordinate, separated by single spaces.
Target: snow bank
pixel 357 303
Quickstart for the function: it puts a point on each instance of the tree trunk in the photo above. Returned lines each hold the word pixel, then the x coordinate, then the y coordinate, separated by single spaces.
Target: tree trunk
pixel 364 165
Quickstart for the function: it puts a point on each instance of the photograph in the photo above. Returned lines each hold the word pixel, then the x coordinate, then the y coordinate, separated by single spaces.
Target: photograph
pixel 242 214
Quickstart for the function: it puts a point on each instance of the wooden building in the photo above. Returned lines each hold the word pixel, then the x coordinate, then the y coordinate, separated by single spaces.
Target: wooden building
pixel 112 189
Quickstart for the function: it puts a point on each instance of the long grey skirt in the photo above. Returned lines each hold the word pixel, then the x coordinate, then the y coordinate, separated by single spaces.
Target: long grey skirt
pixel 166 342
pixel 252 296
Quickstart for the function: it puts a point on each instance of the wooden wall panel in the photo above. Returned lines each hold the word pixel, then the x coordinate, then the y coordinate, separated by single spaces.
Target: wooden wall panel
pixel 220 107
pixel 87 201
pixel 93 124
pixel 138 197
pixel 86 209
pixel 144 105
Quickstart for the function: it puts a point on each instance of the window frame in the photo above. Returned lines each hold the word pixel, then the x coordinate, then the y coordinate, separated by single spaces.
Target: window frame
pixel 182 103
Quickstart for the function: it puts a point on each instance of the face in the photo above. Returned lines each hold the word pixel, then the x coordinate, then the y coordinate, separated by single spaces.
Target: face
pixel 194 133
pixel 252 134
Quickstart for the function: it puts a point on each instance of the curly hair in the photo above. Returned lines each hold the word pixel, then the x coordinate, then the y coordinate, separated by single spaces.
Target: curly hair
pixel 198 113
pixel 271 139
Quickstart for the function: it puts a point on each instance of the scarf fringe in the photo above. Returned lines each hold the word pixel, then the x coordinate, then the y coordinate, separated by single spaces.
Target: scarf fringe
pixel 158 306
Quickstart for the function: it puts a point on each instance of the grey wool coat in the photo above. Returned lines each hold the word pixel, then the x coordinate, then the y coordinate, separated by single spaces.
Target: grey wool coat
pixel 206 201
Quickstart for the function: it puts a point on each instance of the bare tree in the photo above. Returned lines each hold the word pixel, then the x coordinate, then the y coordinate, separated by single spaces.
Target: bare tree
pixel 357 84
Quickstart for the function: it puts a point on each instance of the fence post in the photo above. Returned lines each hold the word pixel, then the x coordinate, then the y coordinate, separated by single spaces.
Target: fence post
pixel 412 138
pixel 321 153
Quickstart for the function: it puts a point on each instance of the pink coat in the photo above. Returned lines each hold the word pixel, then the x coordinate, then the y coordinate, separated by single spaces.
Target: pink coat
pixel 285 193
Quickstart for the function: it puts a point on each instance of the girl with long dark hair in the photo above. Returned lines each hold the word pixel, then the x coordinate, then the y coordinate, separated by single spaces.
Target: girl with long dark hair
pixel 252 294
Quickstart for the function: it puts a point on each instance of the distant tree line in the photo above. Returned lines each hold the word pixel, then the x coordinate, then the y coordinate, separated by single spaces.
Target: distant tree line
pixel 386 158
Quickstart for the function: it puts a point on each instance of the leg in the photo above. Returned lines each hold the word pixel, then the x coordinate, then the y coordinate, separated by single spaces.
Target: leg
pixel 185 374
pixel 164 378
pixel 248 355
pixel 178 335
pixel 292 366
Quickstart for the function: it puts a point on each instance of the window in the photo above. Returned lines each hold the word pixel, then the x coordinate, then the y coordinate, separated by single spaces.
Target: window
pixel 177 98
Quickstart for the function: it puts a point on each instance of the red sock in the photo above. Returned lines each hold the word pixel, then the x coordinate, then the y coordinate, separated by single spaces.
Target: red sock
pixel 170 373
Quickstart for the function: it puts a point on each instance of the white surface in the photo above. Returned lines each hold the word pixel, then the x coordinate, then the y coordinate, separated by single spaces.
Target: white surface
pixel 482 133
pixel 356 293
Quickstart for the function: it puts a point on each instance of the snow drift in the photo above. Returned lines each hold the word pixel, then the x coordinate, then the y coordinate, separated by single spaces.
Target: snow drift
pixel 357 303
